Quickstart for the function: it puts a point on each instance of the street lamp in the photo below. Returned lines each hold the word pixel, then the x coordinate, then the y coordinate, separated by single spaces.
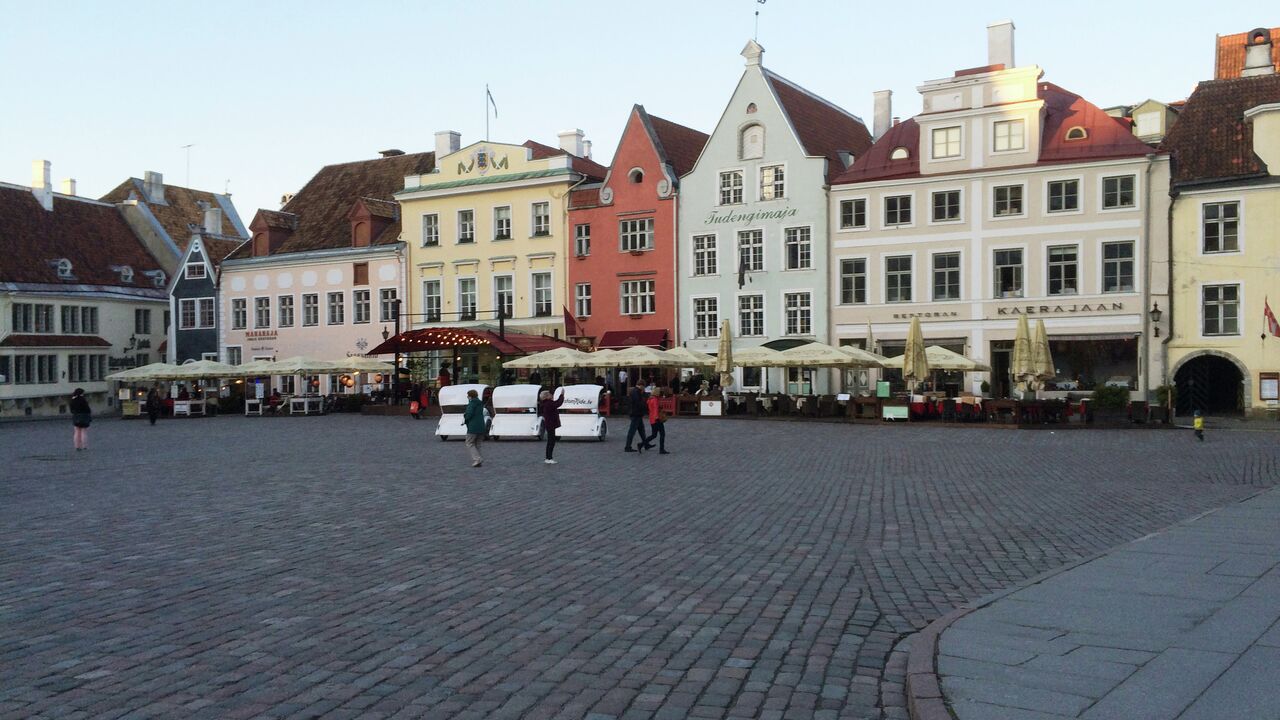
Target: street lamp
pixel 1155 314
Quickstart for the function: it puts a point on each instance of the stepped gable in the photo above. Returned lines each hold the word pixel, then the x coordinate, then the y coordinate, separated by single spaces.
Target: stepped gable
pixel 823 128
pixel 1212 139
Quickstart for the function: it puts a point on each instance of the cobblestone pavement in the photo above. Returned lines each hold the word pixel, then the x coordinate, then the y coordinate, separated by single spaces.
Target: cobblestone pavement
pixel 355 567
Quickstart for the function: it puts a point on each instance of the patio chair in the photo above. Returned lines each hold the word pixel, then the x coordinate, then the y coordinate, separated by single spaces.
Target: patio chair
pixel 810 407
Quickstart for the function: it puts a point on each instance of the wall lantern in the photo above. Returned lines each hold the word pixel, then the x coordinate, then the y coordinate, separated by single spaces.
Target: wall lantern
pixel 1155 314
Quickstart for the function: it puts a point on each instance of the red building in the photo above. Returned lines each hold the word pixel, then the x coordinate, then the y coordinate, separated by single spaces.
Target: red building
pixel 622 244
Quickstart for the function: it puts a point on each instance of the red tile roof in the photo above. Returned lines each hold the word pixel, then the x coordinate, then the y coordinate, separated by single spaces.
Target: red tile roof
pixel 823 128
pixel 27 341
pixel 1229 58
pixel 585 197
pixel 677 144
pixel 511 343
pixel 1212 140
pixel 320 208
pixel 181 210
pixel 93 235
pixel 219 248
pixel 590 168
pixel 875 163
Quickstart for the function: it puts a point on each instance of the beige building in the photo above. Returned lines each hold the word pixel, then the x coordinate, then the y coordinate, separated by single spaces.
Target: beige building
pixel 1007 196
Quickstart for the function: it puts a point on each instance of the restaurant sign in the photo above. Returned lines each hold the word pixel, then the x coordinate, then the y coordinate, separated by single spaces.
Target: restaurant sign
pixel 1057 309
pixel 260 335
pixel 935 314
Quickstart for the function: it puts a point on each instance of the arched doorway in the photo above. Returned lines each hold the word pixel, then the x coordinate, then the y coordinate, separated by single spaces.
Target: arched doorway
pixel 1211 384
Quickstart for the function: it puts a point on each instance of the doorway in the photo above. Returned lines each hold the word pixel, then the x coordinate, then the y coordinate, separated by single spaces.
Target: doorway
pixel 1001 357
pixel 1211 384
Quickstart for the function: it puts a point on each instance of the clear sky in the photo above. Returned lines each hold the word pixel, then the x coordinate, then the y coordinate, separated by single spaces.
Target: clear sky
pixel 268 92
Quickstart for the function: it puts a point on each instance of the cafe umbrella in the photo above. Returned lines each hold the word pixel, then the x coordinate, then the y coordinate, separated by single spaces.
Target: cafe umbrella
pixel 1022 364
pixel 724 355
pixel 940 358
pixel 1041 355
pixel 687 358
pixel 561 357
pixel 154 371
pixel 915 363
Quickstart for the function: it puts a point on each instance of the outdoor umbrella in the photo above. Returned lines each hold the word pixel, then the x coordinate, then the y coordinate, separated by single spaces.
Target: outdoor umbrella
pixel 154 371
pixel 253 368
pixel 597 359
pixel 1041 357
pixel 201 370
pixel 724 356
pixel 561 357
pixel 862 358
pixel 301 365
pixel 640 356
pixel 915 364
pixel 1022 364
pixel 361 364
pixel 688 358
pixel 759 356
pixel 940 358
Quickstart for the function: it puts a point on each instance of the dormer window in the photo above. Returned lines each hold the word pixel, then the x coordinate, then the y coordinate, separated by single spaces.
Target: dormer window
pixel 900 153
pixel 1077 133
pixel 157 277
pixel 126 274
pixel 752 143
pixel 63 266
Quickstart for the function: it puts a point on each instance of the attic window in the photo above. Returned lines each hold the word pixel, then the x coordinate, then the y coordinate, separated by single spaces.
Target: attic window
pixel 900 153
pixel 1077 133
pixel 63 266
pixel 751 108
pixel 195 271
pixel 636 175
pixel 126 274
pixel 157 278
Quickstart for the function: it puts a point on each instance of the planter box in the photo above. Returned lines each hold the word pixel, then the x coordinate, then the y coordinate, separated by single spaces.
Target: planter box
pixel 1159 415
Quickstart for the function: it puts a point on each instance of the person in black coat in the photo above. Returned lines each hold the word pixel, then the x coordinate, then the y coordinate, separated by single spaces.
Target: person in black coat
pixel 638 409
pixel 550 411
pixel 154 403
pixel 81 416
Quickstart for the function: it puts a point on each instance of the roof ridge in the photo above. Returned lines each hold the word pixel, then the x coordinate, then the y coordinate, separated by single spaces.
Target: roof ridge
pixel 773 75
pixel 80 198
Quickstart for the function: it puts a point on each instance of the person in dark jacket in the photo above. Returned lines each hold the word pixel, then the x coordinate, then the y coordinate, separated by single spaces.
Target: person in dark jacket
pixel 550 411
pixel 637 409
pixel 473 416
pixel 154 404
pixel 81 416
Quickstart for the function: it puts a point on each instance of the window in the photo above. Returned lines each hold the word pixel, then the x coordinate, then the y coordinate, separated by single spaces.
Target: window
pixel 1008 200
pixel 799 248
pixel 897 210
pixel 704 255
pixel 582 300
pixel 311 309
pixel 1221 225
pixel 502 223
pixel 359 306
pixel 751 315
pixel 89 320
pixel 853 214
pixel 636 235
pixel 64 268
pixel 542 300
pixel 388 303
pixel 637 297
pixel 1117 192
pixel 900 153
pixel 466 226
pixel 799 313
pixel 32 318
pixel 582 240
pixel 86 368
pixel 35 369
pixel 1077 133
pixel 430 230
pixel 167 320
pixel 142 321
pixel 706 317
pixel 78 320
pixel 853 281
pixel 234 356
pixel 946 205
pixel 1064 195
pixel 337 309
pixel 1008 273
pixel 262 312
pixel 1009 136
pixel 284 311
pixel 772 182
pixel 70 320
pixel 504 295
pixel 195 271
pixel 897 279
pixel 752 142
pixel 360 273
pixel 1117 267
pixel 946 276
pixel 431 300
pixel 239 314
pixel 1221 309
pixel 541 219
pixel 946 143
pixel 1063 270
pixel 467 298
pixel 751 250
pixel 731 187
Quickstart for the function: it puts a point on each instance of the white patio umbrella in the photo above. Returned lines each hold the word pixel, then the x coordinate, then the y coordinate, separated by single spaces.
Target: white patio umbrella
pixel 863 358
pixel 301 365
pixel 640 356
pixel 940 358
pixel 758 356
pixel 253 368
pixel 201 370
pixel 1041 356
pixel 362 364
pixel 561 357
pixel 724 356
pixel 154 371
pixel 689 358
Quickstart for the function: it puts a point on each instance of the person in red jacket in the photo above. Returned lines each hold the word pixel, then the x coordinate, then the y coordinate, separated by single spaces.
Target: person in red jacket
pixel 550 411
pixel 658 421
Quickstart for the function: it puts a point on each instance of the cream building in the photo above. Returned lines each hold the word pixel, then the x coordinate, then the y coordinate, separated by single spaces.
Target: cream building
pixel 1007 196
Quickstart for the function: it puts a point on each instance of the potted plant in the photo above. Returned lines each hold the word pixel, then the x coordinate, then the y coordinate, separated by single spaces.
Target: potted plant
pixel 1108 404
pixel 986 389
pixel 1162 410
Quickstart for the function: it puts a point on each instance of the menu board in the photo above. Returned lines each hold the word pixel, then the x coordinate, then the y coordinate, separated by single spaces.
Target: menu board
pixel 1269 386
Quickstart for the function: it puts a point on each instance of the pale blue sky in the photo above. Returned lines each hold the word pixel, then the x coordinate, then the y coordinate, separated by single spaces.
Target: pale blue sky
pixel 270 91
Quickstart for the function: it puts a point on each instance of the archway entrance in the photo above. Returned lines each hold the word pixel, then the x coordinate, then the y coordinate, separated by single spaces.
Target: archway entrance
pixel 1211 384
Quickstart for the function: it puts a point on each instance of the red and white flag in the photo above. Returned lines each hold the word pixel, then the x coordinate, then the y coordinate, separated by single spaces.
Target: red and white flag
pixel 1273 327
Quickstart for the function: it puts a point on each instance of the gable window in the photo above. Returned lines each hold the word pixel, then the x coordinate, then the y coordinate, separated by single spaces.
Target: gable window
pixel 1220 223
pixel 853 281
pixel 431 300
pixel 504 294
pixel 1064 195
pixel 772 182
pixel 582 240
pixel 1221 309
pixel 360 306
pixel 541 219
pixel 467 298
pixel 636 297
pixel 1007 200
pixel 1117 267
pixel 946 276
pixel 430 230
pixel 284 311
pixel 751 315
pixel 311 309
pixel 239 315
pixel 1117 192
pixel 704 255
pixel 262 312
pixel 897 210
pixel 636 235
pixel 946 206
pixel 337 309
pixel 582 300
pixel 799 313
pixel 799 248
pixel 542 300
pixel 387 304
pixel 751 146
pixel 195 271
pixel 1008 135
pixel 751 250
pixel 502 223
pixel 946 143
pixel 1008 273
pixel 853 214
pixel 731 187
pixel 1064 270
pixel 1077 133
pixel 706 317
pixel 897 279
pixel 466 226
pixel 360 273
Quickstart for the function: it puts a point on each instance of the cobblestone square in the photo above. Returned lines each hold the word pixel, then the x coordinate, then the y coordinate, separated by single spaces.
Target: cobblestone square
pixel 348 566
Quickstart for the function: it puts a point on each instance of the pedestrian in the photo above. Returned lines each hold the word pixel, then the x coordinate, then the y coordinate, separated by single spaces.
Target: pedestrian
pixel 658 421
pixel 1198 424
pixel 443 379
pixel 622 382
pixel 637 409
pixel 550 411
pixel 81 416
pixel 154 403
pixel 474 418
pixel 535 378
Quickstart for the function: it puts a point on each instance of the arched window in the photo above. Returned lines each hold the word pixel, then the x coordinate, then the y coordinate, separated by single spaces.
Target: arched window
pixel 636 175
pixel 900 153
pixel 1077 133
pixel 751 108
pixel 64 268
pixel 751 146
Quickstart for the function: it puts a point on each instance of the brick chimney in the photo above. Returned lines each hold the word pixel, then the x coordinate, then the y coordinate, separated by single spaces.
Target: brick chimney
pixel 571 141
pixel 447 141
pixel 882 113
pixel 1000 43
pixel 1257 54
pixel 153 187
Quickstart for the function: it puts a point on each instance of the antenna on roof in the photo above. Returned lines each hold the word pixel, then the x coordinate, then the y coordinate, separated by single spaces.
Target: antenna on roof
pixel 226 188
pixel 756 35
pixel 187 147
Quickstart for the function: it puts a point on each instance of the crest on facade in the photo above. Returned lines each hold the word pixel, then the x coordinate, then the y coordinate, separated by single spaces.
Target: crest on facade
pixel 362 344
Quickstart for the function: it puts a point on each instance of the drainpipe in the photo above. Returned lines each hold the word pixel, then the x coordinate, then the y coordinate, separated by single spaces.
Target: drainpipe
pixel 1173 198
pixel 1146 286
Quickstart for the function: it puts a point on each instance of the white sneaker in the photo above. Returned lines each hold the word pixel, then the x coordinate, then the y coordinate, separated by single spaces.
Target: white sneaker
pixel 551 462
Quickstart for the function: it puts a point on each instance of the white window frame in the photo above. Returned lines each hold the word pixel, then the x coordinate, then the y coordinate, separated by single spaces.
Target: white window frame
pixel 760 184
pixel 786 256
pixel 838 221
pixel 1102 193
pixel 475 294
pixel 1240 310
pixel 866 280
pixel 239 354
pixel 959 143
pixel 764 257
pixel 995 137
pixel 497 303
pixel 955 221
pixel 257 319
pixel 430 239
pixel 1045 280
pixel 631 230
pixel 991 201
pixel 386 310
pixel 582 300
pixel 1239 203
pixel 638 297
pixel 1102 265
pixel 201 275
pixel 356 303
pixel 884 211
pixel 497 224
pixel 315 295
pixel 712 255
pixel 581 248
pixel 933 270
pixel 280 311
pixel 700 329
pixel 1024 290
pixel 742 186
pixel 459 240
pixel 1045 200
pixel 884 277
pixel 328 307
pixel 428 314
pixel 786 312
pixel 533 293
pixel 533 219
pixel 763 311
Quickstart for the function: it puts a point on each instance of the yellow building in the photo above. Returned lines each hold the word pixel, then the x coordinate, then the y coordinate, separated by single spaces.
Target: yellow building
pixel 487 232
pixel 1223 352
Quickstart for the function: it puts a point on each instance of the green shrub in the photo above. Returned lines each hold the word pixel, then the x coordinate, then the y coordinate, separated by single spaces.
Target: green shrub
pixel 1166 395
pixel 1107 397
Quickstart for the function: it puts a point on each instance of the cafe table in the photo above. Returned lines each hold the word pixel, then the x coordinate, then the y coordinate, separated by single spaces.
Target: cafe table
pixel 306 405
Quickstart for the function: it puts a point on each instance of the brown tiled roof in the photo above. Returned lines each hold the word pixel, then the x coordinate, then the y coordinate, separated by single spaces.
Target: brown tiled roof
pixel 219 248
pixel 1212 140
pixel 181 211
pixel 54 341
pixel 823 128
pixel 590 168
pixel 382 208
pixel 585 197
pixel 1229 58
pixel 92 235
pixel 280 220
pixel 678 144
pixel 320 208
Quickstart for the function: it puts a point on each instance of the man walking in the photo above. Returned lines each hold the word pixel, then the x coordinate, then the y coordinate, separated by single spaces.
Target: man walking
pixel 473 416
pixel 637 409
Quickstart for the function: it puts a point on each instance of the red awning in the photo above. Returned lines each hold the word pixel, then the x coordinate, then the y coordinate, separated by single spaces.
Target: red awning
pixel 50 341
pixel 619 339
pixel 441 338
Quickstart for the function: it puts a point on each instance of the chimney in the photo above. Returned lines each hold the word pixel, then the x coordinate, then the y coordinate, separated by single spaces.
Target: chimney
pixel 153 187
pixel 586 148
pixel 42 183
pixel 69 187
pixel 1000 43
pixel 571 141
pixel 391 152
pixel 1257 54
pixel 213 220
pixel 447 141
pixel 883 111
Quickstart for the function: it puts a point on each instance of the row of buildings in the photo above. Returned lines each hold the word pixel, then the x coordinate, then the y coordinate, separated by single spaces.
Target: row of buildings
pixel 1143 235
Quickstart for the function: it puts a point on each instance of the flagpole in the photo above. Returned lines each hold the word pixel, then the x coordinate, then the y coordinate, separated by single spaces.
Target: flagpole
pixel 486 112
